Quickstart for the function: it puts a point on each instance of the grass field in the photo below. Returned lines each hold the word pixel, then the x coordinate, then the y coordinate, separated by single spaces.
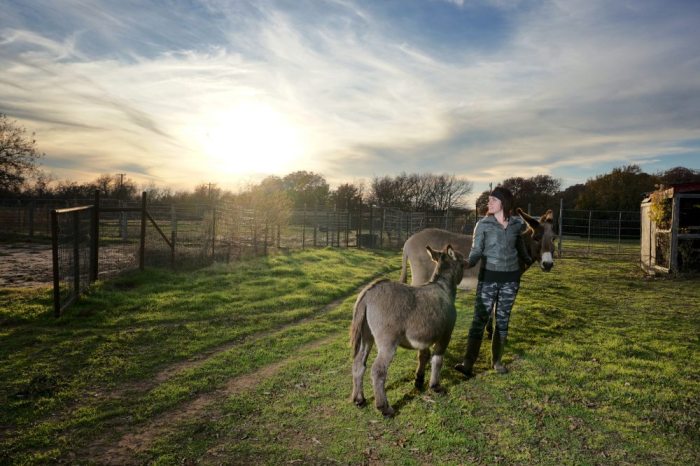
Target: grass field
pixel 249 364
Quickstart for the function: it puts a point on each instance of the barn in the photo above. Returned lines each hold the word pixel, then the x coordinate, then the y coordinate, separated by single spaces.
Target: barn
pixel 670 233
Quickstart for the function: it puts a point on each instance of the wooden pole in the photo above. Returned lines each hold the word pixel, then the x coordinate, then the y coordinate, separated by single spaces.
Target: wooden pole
pixel 76 254
pixel 142 248
pixel 54 258
pixel 95 238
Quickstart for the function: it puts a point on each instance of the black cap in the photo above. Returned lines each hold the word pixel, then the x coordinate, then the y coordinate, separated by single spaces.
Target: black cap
pixel 502 194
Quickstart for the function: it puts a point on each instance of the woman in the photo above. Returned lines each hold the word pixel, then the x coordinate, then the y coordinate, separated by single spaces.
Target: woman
pixel 498 242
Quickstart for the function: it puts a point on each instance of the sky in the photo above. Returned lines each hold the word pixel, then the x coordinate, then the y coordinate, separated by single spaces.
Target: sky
pixel 178 93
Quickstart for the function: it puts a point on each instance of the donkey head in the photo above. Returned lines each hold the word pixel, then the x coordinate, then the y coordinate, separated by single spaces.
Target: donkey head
pixel 449 263
pixel 540 236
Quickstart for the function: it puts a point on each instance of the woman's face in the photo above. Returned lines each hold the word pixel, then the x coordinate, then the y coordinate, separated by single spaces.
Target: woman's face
pixel 495 205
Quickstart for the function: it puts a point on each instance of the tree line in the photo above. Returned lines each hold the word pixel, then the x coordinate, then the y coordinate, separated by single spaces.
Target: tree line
pixel 621 189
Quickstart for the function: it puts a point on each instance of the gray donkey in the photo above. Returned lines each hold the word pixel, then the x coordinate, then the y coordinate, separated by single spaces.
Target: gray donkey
pixel 395 314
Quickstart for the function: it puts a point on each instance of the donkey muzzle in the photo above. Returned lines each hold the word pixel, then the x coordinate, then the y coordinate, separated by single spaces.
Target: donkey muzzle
pixel 547 261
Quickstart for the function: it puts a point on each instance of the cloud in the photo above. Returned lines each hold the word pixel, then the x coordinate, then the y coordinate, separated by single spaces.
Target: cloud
pixel 481 89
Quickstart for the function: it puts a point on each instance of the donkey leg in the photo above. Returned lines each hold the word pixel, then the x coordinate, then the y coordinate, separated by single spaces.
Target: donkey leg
pixel 379 373
pixel 423 358
pixel 358 368
pixel 436 366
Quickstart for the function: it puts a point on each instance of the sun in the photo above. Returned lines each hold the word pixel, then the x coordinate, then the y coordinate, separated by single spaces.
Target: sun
pixel 250 137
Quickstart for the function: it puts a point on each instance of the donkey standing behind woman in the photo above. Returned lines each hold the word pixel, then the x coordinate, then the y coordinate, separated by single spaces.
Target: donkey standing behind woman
pixel 395 314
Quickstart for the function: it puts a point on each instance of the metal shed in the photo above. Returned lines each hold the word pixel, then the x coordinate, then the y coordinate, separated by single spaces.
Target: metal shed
pixel 674 245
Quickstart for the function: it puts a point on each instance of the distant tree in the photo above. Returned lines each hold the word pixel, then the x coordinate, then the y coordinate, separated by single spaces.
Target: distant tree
pixel 482 203
pixel 448 192
pixel 19 155
pixel 398 192
pixel 106 183
pixel 347 195
pixel 306 188
pixel 571 194
pixel 538 192
pixel 678 175
pixel 622 189
pixel 420 192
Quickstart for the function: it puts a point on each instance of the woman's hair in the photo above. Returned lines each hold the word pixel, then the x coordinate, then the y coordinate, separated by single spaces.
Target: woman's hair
pixel 506 197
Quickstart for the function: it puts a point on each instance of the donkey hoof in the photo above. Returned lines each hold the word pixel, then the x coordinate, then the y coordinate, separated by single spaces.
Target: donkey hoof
pixel 438 389
pixel 420 382
pixel 464 371
pixel 360 402
pixel 388 411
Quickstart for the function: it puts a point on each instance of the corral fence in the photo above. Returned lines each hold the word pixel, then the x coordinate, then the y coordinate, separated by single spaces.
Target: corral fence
pixel 104 237
pixel 591 233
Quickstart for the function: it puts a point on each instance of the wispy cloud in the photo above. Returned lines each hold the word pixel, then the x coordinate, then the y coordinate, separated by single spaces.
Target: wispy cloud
pixel 484 89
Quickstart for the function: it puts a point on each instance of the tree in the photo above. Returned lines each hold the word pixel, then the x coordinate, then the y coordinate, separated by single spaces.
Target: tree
pixel 448 192
pixel 538 192
pixel 306 189
pixel 678 175
pixel 19 155
pixel 622 189
pixel 347 195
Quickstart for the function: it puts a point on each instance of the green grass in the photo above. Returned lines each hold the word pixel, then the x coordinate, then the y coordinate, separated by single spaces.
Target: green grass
pixel 604 369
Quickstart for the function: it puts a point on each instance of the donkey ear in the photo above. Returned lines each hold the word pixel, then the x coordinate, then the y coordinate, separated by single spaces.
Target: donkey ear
pixel 434 255
pixel 548 216
pixel 451 252
pixel 531 221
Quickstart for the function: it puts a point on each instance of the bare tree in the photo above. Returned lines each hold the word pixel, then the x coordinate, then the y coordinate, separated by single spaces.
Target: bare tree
pixel 19 155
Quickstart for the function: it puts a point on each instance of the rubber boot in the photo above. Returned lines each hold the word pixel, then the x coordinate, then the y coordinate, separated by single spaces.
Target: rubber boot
pixel 465 367
pixel 498 343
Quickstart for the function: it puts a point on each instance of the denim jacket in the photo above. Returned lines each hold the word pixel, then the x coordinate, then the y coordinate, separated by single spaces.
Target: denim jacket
pixel 499 247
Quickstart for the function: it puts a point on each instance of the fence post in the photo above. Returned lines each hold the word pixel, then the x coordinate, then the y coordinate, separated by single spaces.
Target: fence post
pixel 315 222
pixel 348 224
pixel 303 227
pixel 381 233
pixel 142 250
pixel 95 238
pixel 76 254
pixel 265 244
pixel 54 258
pixel 561 223
pixel 590 217
pixel 358 232
pixel 173 234
pixel 619 231
pixel 371 225
pixel 213 230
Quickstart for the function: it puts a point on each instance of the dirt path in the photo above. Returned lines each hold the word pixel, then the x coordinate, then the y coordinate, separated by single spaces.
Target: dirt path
pixel 132 442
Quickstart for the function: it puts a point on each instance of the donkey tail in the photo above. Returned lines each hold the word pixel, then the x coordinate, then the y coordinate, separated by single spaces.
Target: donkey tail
pixel 404 261
pixel 359 317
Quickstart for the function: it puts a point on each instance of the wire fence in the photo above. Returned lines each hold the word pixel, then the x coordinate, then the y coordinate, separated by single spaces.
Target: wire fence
pixel 96 243
pixel 596 232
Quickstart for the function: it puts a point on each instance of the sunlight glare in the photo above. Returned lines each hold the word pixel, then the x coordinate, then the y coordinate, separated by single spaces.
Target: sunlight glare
pixel 250 138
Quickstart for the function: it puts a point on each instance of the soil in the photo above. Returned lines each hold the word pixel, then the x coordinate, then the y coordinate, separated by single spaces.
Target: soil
pixel 29 265
pixel 25 265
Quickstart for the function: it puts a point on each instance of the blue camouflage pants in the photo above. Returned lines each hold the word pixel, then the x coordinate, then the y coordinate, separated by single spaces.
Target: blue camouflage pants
pixel 490 293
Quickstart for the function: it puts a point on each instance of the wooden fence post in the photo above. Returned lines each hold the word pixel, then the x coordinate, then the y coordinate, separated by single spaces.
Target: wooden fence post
pixel 95 238
pixel 142 249
pixel 54 256
pixel 76 254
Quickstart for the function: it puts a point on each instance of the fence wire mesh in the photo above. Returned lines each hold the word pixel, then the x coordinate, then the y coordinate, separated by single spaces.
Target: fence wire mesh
pixel 73 249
